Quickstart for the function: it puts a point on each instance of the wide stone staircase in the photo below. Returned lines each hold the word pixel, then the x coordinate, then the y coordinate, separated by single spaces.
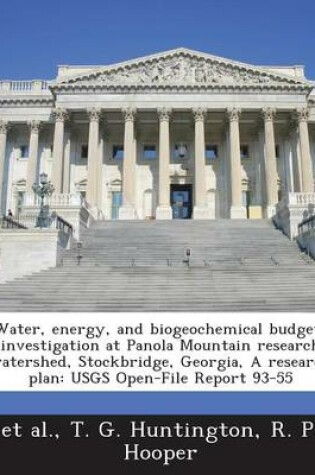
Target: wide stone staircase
pixel 234 265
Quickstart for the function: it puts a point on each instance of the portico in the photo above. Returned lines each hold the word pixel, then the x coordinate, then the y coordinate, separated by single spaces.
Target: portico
pixel 237 136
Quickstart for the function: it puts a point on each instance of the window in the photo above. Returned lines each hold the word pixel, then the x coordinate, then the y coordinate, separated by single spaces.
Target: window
pixel 83 195
pixel 149 152
pixel 244 149
pixel 24 151
pixel 84 151
pixel 20 200
pixel 277 151
pixel 51 151
pixel 118 152
pixel 211 152
pixel 180 151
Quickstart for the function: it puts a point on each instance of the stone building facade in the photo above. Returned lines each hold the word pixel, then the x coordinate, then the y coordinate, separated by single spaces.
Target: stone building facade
pixel 180 134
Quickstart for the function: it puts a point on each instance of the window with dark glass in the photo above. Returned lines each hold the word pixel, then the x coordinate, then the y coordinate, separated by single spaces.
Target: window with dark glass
pixel 24 151
pixel 118 152
pixel 84 151
pixel 149 152
pixel 244 149
pixel 277 151
pixel 180 151
pixel 211 152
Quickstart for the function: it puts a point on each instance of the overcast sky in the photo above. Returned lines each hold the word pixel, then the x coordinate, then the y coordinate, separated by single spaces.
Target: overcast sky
pixel 36 35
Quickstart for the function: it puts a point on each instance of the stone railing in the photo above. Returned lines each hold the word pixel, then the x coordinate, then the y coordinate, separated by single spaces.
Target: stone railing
pixel 292 210
pixel 303 199
pixel 56 200
pixel 35 87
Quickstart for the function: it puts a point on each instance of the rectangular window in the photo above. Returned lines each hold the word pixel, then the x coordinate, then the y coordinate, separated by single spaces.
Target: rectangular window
pixel 20 200
pixel 51 151
pixel 149 152
pixel 118 152
pixel 277 151
pixel 181 151
pixel 244 149
pixel 84 151
pixel 211 152
pixel 24 151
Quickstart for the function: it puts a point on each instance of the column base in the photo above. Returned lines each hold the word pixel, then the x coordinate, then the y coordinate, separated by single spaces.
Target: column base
pixel 202 212
pixel 238 212
pixel 127 212
pixel 270 211
pixel 164 212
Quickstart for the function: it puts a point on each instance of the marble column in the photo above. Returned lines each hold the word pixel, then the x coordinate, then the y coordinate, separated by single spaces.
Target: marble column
pixel 32 166
pixel 270 163
pixel 306 160
pixel 127 210
pixel 201 210
pixel 3 145
pixel 164 210
pixel 237 211
pixel 295 154
pixel 58 149
pixel 66 162
pixel 92 181
pixel 257 195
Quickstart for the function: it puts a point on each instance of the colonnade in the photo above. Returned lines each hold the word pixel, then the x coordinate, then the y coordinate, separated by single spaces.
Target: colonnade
pixel 164 114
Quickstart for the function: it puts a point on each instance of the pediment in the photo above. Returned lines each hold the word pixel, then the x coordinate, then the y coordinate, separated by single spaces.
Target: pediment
pixel 178 71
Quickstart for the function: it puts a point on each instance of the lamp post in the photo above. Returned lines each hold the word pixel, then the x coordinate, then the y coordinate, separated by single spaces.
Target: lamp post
pixel 43 189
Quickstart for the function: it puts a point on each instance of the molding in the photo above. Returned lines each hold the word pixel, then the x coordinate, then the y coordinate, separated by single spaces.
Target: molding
pixel 268 113
pixel 302 114
pixel 199 114
pixel 16 101
pixel 164 113
pixel 60 115
pixel 94 114
pixel 35 126
pixel 4 127
pixel 233 114
pixel 129 113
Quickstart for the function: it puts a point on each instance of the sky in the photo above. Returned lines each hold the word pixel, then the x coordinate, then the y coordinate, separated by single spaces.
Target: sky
pixel 36 36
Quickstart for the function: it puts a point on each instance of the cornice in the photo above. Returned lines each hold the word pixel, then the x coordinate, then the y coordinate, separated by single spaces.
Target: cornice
pixel 16 101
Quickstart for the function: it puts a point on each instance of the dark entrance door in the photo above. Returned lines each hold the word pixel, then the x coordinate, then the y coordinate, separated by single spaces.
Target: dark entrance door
pixel 181 201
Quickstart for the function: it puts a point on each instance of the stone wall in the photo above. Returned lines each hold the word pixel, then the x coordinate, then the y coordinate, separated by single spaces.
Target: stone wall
pixel 26 251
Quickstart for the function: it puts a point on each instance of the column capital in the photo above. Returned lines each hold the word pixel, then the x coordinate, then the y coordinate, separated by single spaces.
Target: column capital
pixel 35 126
pixel 199 113
pixel 4 127
pixel 301 114
pixel 129 114
pixel 164 113
pixel 233 114
pixel 268 113
pixel 60 115
pixel 94 114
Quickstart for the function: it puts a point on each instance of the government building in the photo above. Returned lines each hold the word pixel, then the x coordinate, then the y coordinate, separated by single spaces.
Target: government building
pixel 175 135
